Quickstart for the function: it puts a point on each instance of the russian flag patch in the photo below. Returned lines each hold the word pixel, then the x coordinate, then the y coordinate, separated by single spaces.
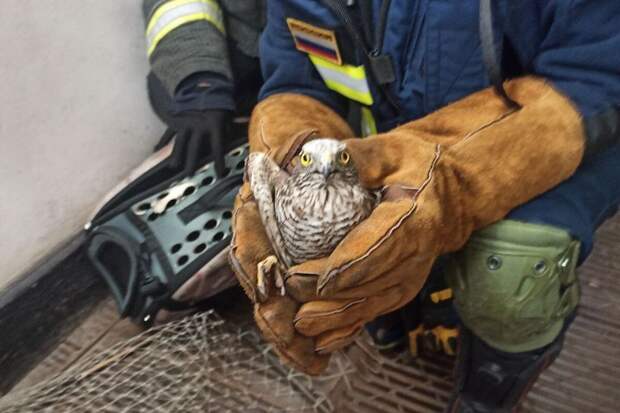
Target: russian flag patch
pixel 315 41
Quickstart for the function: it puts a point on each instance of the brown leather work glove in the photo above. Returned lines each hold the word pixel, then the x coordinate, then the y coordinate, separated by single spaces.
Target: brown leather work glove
pixel 444 176
pixel 280 125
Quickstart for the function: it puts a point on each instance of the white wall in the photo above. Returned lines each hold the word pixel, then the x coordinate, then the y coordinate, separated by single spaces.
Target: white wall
pixel 74 117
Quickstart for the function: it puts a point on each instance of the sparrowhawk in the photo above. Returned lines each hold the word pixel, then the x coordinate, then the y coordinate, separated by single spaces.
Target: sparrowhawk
pixel 308 212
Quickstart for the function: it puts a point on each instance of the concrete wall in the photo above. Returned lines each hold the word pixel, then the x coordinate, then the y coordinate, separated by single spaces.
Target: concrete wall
pixel 74 117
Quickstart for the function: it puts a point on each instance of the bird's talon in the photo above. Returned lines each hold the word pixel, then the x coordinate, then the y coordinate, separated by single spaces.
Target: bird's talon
pixel 265 269
pixel 278 272
pixel 279 280
pixel 262 288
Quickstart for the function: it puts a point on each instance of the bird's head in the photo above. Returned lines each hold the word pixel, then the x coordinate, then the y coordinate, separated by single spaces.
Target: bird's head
pixel 325 156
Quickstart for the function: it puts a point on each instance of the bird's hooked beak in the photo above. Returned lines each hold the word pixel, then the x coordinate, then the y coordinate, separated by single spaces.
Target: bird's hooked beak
pixel 327 165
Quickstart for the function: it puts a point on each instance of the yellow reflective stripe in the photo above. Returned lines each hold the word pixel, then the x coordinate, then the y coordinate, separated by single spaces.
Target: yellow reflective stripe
pixel 174 14
pixel 413 340
pixel 369 127
pixel 350 81
pixel 206 6
pixel 442 337
pixel 442 295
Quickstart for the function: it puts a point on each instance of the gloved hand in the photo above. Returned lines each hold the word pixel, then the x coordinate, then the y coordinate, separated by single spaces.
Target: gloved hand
pixel 280 125
pixel 444 176
pixel 198 134
pixel 200 117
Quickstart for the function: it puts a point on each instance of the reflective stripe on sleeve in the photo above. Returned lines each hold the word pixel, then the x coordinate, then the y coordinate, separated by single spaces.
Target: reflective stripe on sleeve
pixel 349 81
pixel 368 126
pixel 174 14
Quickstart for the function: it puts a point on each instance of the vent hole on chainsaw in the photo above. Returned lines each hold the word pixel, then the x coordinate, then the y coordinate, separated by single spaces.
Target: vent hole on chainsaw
pixel 189 190
pixel 200 248
pixel 211 224
pixel 207 181
pixel 193 236
pixel 171 203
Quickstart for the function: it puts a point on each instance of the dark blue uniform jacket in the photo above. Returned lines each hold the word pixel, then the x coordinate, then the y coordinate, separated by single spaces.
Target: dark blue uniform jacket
pixel 435 49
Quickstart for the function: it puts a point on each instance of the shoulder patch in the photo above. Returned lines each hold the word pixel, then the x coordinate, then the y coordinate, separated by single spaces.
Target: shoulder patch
pixel 315 40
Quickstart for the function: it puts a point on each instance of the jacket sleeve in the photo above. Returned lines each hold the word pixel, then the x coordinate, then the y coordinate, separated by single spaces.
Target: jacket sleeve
pixel 287 70
pixel 184 38
pixel 580 55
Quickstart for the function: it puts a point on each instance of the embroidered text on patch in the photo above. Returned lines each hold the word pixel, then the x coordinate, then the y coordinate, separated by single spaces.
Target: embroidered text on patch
pixel 315 41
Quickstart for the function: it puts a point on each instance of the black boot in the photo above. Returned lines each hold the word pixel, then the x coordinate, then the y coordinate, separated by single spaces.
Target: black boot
pixel 428 322
pixel 490 380
pixel 388 332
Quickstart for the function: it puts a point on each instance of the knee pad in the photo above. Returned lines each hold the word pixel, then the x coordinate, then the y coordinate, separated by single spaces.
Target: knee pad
pixel 515 283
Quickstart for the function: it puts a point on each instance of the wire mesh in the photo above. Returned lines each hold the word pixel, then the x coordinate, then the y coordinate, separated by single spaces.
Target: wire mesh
pixel 198 364
pixel 203 364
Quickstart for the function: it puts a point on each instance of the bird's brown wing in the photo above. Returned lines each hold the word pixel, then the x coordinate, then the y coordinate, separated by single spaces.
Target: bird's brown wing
pixel 264 175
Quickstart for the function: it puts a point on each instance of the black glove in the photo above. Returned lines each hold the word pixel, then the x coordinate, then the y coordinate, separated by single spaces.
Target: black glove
pixel 198 134
pixel 201 116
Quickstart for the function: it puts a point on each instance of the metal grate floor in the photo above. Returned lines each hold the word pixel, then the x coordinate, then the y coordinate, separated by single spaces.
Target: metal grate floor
pixel 585 378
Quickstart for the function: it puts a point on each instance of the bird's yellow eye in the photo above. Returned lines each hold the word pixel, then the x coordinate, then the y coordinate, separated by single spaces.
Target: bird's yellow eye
pixel 344 158
pixel 305 159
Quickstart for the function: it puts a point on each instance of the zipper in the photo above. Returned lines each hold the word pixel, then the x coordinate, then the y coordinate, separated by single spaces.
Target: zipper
pixel 339 9
pixel 380 28
pixel 412 43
